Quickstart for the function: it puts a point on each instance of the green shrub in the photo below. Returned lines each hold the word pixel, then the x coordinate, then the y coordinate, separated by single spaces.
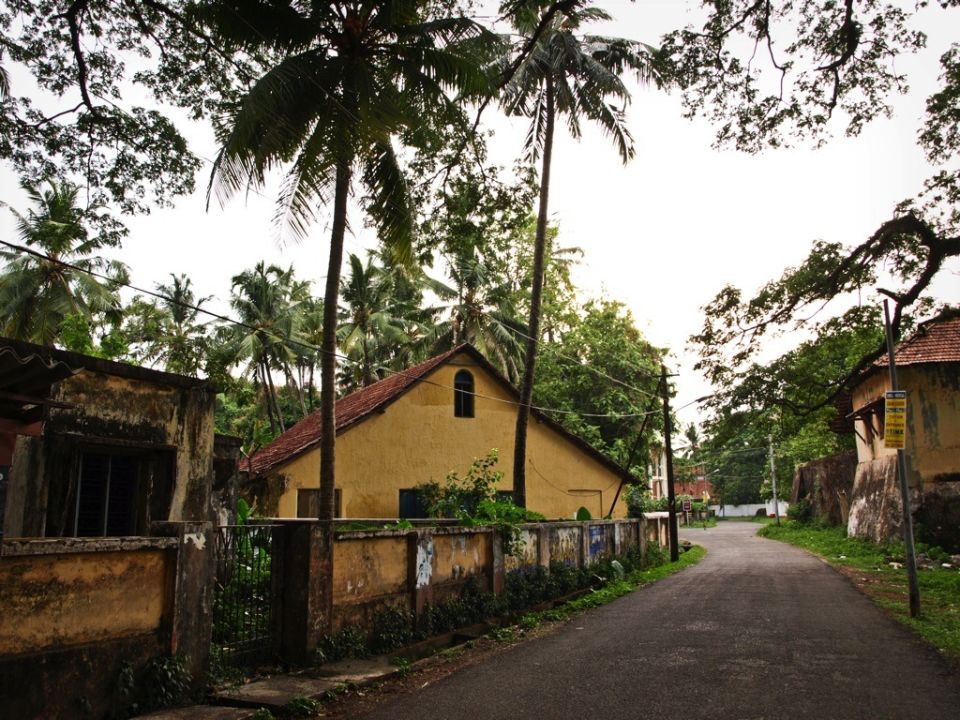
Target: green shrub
pixel 392 629
pixel 801 512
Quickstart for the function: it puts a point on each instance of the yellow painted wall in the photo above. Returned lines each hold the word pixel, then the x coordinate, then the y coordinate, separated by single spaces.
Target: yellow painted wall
pixel 417 438
pixel 53 601
pixel 933 418
pixel 109 406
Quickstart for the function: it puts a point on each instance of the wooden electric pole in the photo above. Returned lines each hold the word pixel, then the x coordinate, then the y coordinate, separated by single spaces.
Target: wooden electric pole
pixel 908 546
pixel 671 495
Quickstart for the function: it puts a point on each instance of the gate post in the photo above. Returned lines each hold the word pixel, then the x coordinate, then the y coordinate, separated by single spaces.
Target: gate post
pixel 304 587
pixel 191 619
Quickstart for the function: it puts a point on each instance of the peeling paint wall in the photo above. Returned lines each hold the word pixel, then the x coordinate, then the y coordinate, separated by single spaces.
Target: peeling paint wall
pixel 411 569
pixel 60 600
pixel 76 611
pixel 169 429
pixel 932 456
pixel 417 438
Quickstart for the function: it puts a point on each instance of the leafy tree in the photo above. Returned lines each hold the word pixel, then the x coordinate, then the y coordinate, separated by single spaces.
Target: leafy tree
pixel 839 66
pixel 785 398
pixel 480 309
pixel 37 295
pixel 349 78
pixel 85 56
pixel 559 72
pixel 603 375
pixel 374 329
pixel 266 300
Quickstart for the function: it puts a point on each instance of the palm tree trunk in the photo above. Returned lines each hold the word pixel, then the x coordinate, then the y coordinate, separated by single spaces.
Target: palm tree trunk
pixel 536 292
pixel 328 358
pixel 258 378
pixel 273 395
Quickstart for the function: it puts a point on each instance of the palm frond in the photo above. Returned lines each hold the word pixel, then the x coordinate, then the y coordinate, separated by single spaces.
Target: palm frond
pixel 389 204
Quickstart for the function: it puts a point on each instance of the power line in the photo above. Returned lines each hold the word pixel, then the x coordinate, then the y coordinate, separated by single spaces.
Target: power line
pixel 292 341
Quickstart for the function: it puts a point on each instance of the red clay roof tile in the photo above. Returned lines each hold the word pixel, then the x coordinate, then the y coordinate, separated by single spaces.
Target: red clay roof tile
pixel 937 342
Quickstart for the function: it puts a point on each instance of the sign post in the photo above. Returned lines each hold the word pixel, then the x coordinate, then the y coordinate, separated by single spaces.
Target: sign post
pixel 895 419
pixel 899 415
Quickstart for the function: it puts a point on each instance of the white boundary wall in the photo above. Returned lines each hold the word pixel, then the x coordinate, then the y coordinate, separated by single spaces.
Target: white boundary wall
pixel 749 510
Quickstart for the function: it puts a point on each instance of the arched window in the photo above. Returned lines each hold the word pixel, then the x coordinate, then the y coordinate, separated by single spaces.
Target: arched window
pixel 463 394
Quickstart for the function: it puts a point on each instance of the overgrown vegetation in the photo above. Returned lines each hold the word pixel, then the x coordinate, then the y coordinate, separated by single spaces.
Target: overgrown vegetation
pixel 474 500
pixel 163 682
pixel 393 627
pixel 885 581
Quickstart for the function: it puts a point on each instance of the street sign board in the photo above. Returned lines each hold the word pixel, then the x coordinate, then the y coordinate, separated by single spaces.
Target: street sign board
pixel 895 419
pixel 687 506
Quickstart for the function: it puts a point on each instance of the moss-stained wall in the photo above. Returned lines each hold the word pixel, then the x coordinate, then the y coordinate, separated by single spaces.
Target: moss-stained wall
pixel 169 425
pixel 932 457
pixel 417 438
pixel 55 601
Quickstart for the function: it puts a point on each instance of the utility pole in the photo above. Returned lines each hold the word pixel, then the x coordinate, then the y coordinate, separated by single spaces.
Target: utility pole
pixel 910 550
pixel 773 479
pixel 671 495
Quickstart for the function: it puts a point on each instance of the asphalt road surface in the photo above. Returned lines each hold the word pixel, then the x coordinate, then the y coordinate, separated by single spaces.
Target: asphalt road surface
pixel 757 630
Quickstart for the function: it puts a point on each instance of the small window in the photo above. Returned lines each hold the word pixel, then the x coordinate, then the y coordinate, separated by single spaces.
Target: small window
pixel 411 505
pixel 463 394
pixel 108 496
pixel 308 503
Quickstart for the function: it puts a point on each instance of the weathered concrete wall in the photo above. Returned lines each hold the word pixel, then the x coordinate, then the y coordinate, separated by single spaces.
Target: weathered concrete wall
pixel 414 568
pixel 876 512
pixel 932 456
pixel 826 483
pixel 168 427
pixel 60 600
pixel 417 438
pixel 75 612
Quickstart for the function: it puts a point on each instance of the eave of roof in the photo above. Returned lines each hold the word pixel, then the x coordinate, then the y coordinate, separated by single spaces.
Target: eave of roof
pixel 413 376
pixel 106 367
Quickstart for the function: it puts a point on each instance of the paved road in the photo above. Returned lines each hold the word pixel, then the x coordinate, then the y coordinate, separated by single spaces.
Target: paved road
pixel 757 630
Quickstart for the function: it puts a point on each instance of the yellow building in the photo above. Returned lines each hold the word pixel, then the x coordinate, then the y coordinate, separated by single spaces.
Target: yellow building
pixel 419 425
pixel 928 368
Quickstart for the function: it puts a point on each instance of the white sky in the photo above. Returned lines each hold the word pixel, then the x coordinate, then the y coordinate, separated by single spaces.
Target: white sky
pixel 662 234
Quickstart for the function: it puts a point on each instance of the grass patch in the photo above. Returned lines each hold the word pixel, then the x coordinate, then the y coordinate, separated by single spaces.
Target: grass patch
pixel 700 524
pixel 609 592
pixel 939 621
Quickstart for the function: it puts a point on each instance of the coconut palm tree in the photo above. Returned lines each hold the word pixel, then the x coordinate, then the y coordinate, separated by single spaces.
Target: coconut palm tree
pixel 481 310
pixel 37 294
pixel 266 300
pixel 168 327
pixel 352 76
pixel 578 77
pixel 373 327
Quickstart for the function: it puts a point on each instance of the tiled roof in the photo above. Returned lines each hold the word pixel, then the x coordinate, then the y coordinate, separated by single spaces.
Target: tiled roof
pixel 349 410
pixel 933 343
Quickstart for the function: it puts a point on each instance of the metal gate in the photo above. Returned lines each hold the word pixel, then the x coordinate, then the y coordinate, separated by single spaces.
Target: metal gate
pixel 243 622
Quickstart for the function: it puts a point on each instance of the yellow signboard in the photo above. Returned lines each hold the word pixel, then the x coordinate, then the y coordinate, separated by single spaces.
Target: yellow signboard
pixel 895 419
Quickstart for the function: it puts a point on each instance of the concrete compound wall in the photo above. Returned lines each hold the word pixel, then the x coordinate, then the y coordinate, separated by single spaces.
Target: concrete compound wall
pixel 750 510
pixel 76 611
pixel 414 568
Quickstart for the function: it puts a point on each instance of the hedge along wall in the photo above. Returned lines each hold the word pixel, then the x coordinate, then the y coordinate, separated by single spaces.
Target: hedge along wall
pixel 412 569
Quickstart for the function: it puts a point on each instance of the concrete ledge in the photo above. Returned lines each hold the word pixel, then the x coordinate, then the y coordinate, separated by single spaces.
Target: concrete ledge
pixel 20 547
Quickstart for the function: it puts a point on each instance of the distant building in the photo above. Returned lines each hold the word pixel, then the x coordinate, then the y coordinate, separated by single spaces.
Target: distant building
pixel 419 425
pixel 928 368
pixel 689 478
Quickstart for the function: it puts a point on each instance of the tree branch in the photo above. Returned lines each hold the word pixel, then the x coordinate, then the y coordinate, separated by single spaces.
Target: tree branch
pixel 73 17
